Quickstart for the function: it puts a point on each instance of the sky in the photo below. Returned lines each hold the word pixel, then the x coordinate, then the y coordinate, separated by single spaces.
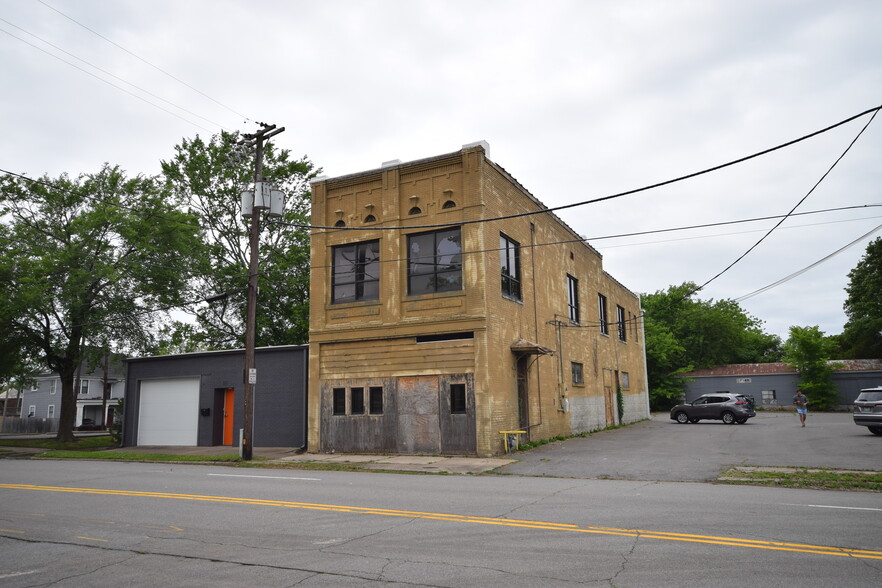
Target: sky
pixel 578 100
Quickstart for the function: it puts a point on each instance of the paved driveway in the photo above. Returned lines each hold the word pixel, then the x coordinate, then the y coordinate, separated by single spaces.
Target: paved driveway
pixel 661 449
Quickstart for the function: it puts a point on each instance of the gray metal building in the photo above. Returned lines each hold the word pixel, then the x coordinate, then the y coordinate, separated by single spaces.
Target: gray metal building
pixel 774 384
pixel 196 399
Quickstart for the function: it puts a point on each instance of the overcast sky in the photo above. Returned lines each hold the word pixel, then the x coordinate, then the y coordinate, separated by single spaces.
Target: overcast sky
pixel 577 99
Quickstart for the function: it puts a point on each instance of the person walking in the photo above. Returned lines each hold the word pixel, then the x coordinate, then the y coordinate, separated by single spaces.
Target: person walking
pixel 801 403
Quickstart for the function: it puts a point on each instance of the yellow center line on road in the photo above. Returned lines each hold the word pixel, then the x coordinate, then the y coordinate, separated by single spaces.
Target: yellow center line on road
pixel 542 525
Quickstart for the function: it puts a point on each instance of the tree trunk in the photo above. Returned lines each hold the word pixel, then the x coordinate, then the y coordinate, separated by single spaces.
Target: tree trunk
pixel 68 405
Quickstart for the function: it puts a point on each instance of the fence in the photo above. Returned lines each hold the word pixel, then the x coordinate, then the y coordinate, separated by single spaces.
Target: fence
pixel 29 425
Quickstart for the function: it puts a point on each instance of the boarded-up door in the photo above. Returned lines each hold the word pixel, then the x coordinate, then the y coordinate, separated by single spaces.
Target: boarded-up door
pixel 609 397
pixel 418 426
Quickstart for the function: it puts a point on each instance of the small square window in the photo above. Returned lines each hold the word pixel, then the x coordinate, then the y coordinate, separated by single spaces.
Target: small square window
pixel 376 399
pixel 457 398
pixel 356 401
pixel 339 401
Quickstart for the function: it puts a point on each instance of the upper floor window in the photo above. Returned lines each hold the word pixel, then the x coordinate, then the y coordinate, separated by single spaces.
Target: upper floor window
pixel 356 274
pixel 53 386
pixel 601 313
pixel 434 262
pixel 84 387
pixel 510 261
pixel 620 321
pixel 573 298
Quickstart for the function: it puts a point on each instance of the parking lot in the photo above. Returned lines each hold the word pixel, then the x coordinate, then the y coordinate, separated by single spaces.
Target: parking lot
pixel 661 449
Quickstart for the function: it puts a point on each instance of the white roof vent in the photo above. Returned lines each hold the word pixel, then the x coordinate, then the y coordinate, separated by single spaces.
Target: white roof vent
pixel 483 144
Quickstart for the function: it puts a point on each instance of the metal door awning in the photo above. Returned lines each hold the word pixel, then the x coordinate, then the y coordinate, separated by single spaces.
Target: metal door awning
pixel 524 347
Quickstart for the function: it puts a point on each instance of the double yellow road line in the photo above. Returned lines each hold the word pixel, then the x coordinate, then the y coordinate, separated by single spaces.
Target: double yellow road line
pixel 465 519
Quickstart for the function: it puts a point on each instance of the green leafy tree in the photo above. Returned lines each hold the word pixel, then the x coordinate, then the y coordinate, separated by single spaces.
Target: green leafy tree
pixel 809 351
pixel 862 335
pixel 88 261
pixel 209 177
pixel 685 333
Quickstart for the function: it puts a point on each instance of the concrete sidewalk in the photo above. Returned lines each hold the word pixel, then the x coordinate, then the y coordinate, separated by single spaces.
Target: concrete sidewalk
pixel 290 455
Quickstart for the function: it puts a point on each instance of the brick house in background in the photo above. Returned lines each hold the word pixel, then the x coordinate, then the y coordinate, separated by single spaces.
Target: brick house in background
pixel 433 328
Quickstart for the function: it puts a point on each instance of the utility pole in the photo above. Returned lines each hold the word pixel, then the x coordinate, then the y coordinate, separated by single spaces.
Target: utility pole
pixel 250 372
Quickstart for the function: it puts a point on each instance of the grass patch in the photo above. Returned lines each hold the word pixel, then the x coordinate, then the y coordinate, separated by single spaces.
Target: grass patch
pixel 809 478
pixel 83 443
pixel 117 455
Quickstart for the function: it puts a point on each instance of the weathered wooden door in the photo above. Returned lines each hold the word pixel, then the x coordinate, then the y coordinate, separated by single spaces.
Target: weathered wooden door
pixel 609 399
pixel 419 430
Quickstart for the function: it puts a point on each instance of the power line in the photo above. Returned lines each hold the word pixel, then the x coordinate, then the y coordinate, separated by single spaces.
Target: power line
pixel 99 78
pixel 104 71
pixel 675 180
pixel 141 59
pixel 105 201
pixel 808 267
pixel 809 193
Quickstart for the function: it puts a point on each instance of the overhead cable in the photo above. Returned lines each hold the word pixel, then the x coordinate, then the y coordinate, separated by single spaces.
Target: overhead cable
pixel 808 267
pixel 121 89
pixel 141 59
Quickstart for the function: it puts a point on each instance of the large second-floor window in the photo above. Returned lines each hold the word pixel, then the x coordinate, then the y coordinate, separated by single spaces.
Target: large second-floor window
pixel 434 262
pixel 573 298
pixel 602 319
pixel 510 261
pixel 356 272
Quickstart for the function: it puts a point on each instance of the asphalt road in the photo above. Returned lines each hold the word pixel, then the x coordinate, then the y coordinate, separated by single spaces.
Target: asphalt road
pixel 661 449
pixel 98 524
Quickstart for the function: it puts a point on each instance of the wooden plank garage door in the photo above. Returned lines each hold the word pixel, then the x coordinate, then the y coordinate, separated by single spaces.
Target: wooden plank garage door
pixel 169 412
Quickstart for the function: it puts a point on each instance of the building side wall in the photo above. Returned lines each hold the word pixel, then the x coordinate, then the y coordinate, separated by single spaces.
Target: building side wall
pixel 549 253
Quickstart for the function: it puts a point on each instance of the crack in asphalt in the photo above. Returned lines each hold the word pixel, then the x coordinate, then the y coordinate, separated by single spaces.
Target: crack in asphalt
pixel 136 553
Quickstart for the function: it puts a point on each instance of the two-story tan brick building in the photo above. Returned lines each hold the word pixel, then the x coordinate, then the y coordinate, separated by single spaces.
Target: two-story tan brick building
pixel 439 317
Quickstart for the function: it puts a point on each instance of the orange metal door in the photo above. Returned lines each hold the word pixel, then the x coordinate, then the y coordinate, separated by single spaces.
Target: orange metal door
pixel 229 395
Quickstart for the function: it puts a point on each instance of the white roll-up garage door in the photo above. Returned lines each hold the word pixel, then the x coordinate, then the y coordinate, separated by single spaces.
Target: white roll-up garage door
pixel 169 412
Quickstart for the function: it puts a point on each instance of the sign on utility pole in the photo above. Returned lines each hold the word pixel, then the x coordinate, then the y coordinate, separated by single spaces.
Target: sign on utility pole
pixel 258 202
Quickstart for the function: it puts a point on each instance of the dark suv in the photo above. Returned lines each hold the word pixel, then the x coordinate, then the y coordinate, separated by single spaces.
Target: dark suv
pixel 721 406
pixel 868 409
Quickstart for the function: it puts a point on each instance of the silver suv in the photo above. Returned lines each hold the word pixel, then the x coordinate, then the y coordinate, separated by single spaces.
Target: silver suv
pixel 868 409
pixel 721 406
